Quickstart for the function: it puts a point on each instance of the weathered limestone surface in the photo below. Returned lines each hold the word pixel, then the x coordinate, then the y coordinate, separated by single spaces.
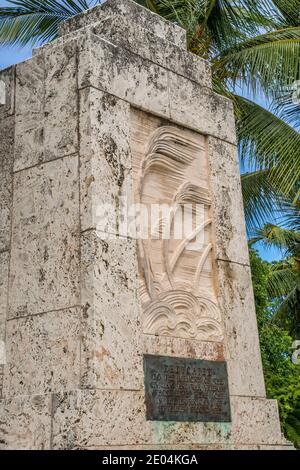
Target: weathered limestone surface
pixel 44 266
pixel 122 32
pixel 179 347
pixel 78 120
pixel 61 102
pixel 43 353
pixel 242 350
pixel 103 418
pixel 111 346
pixel 105 158
pixel 255 421
pixel 7 121
pixel 4 263
pixel 153 88
pixel 118 418
pixel 128 9
pixel 25 423
pixel 46 107
pixel 229 221
pixel 6 166
pixel 123 74
pixel 199 108
pixel 29 132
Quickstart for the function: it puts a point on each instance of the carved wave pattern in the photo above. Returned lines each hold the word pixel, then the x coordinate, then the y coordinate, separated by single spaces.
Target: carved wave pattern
pixel 174 306
pixel 183 314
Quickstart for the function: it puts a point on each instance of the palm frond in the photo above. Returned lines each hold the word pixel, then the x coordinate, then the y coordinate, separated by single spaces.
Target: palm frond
pixel 287 315
pixel 267 142
pixel 286 104
pixel 32 21
pixel 272 235
pixel 266 62
pixel 289 11
pixel 261 200
pixel 290 214
pixel 213 24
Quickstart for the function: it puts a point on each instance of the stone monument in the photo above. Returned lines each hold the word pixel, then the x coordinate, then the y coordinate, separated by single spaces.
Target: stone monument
pixel 111 340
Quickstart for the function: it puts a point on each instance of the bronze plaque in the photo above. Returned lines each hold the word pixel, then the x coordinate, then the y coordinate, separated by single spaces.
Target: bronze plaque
pixel 180 389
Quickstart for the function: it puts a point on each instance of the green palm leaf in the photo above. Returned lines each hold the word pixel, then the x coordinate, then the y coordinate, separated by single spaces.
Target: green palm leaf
pixel 32 21
pixel 283 283
pixel 286 105
pixel 266 62
pixel 261 200
pixel 213 24
pixel 272 235
pixel 289 11
pixel 267 142
pixel 290 214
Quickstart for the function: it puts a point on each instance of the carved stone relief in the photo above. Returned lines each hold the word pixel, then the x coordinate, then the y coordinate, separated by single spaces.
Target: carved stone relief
pixel 177 288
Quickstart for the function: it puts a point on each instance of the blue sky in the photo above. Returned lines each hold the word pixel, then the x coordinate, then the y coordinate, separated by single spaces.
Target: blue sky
pixel 13 55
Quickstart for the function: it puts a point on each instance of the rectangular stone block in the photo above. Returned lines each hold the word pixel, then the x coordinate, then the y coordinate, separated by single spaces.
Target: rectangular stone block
pixel 105 157
pixel 61 101
pixel 43 353
pixel 111 353
pixel 46 106
pixel 122 32
pixel 44 274
pixel 262 447
pixel 7 87
pixel 179 347
pixel 1 380
pixel 6 176
pixel 25 423
pixel 199 108
pixel 121 73
pixel 29 132
pixel 242 350
pixel 255 421
pixel 4 265
pixel 227 202
pixel 131 10
pixel 96 418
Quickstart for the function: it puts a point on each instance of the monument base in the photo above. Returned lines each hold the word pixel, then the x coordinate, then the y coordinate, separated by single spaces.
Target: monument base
pixel 97 419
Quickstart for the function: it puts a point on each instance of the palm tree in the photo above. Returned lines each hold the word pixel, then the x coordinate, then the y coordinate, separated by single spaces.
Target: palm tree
pixel 283 283
pixel 254 46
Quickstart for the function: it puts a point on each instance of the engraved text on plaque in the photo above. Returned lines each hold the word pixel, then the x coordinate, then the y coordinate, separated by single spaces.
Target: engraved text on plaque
pixel 180 389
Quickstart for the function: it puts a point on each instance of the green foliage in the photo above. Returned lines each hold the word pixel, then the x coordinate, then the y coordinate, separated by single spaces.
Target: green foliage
pixel 282 377
pixel 261 198
pixel 268 142
pixel 32 21
pixel 260 271
pixel 284 277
